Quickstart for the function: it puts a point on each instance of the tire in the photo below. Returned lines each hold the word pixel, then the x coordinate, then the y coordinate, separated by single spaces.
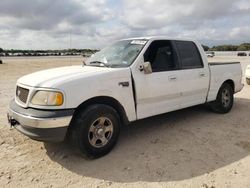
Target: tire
pixel 248 81
pixel 96 130
pixel 225 99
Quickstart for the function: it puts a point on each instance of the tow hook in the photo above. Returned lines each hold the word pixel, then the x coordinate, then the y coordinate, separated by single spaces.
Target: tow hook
pixel 11 121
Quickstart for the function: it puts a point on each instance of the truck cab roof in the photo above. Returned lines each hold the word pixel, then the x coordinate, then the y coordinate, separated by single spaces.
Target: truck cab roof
pixel 158 38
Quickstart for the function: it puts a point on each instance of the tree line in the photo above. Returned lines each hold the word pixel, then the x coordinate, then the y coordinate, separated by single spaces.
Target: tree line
pixel 17 52
pixel 241 47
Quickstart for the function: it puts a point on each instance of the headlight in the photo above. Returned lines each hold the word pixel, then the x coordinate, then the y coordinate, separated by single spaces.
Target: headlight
pixel 47 98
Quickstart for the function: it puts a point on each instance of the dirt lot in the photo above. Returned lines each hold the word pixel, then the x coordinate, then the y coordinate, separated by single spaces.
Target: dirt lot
pixel 188 148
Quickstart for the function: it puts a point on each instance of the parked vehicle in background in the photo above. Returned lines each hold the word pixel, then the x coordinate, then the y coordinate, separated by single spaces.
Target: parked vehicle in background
pixel 129 80
pixel 248 74
pixel 242 54
pixel 210 54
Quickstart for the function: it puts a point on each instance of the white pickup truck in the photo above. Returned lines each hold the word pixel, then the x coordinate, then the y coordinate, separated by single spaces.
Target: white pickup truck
pixel 129 80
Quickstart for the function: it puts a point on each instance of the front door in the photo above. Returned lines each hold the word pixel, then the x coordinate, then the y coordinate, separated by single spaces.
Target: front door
pixel 158 92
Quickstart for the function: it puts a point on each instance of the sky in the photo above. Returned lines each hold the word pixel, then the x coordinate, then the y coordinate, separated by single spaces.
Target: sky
pixel 62 24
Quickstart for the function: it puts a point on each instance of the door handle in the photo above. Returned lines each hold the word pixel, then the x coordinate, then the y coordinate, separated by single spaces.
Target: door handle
pixel 172 78
pixel 202 74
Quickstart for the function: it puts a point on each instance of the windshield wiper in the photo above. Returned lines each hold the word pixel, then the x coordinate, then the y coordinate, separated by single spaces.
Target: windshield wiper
pixel 99 63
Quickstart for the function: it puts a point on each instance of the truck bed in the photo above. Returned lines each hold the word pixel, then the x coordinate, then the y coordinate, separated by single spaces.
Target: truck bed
pixel 221 73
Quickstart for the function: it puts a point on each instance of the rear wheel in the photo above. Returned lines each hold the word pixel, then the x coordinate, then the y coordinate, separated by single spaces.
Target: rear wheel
pixel 96 130
pixel 225 99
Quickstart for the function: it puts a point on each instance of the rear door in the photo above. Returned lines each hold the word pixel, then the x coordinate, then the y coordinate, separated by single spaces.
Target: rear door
pixel 194 77
pixel 158 92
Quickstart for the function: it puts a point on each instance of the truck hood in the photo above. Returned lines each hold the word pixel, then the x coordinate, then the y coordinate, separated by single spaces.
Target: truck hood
pixel 56 76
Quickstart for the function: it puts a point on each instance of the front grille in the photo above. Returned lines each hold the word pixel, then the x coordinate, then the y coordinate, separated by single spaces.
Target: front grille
pixel 22 94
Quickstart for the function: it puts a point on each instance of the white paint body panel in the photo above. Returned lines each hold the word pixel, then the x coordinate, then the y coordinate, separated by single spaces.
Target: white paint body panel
pixel 194 86
pixel 220 73
pixel 248 72
pixel 155 93
pixel 82 83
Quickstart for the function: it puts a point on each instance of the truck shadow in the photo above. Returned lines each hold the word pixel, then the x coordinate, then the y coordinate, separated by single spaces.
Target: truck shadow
pixel 170 147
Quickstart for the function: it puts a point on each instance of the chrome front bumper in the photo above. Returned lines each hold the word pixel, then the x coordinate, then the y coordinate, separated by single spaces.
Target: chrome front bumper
pixel 40 124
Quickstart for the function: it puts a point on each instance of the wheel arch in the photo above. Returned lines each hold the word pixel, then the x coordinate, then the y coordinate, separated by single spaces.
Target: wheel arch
pixel 230 82
pixel 110 101
pixel 216 105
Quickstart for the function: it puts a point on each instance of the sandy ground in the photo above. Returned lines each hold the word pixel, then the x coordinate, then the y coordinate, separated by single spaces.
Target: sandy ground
pixel 188 148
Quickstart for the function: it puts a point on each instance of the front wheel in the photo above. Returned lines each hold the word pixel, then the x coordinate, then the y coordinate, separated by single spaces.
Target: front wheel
pixel 225 99
pixel 96 130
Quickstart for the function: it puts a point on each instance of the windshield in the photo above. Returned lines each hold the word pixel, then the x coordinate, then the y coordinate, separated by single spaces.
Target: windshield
pixel 119 54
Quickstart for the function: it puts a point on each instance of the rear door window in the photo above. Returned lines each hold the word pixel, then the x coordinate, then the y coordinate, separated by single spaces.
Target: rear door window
pixel 189 55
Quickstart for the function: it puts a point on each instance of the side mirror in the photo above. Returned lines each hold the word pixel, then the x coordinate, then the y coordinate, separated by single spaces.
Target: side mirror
pixel 146 67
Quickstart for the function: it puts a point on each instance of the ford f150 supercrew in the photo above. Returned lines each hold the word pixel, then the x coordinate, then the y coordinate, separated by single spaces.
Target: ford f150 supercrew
pixel 129 80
